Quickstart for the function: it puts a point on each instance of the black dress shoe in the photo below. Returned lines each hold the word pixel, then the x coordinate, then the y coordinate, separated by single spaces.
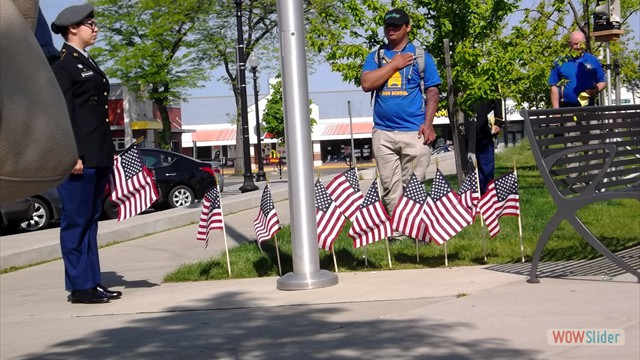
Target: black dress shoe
pixel 88 296
pixel 108 293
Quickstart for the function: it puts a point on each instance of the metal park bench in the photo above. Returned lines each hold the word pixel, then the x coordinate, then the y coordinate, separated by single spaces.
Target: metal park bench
pixel 585 155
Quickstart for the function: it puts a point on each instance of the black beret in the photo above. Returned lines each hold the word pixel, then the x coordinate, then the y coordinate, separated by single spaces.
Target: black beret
pixel 71 16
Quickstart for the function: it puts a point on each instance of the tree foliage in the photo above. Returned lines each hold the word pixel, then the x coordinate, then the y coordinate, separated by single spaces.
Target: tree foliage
pixel 273 116
pixel 154 46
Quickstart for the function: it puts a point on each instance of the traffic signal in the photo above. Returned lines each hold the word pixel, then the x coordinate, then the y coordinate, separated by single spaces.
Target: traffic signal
pixel 606 15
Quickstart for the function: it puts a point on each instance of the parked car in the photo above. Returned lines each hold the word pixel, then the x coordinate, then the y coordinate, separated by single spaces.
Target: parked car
pixel 181 180
pixel 13 213
pixel 47 211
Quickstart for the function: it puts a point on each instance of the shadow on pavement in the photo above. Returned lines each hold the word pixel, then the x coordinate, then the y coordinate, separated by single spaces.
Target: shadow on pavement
pixel 559 269
pixel 210 330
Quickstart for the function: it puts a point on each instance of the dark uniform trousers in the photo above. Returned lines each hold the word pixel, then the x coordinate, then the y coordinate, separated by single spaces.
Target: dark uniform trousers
pixel 485 148
pixel 79 226
pixel 485 155
pixel 86 91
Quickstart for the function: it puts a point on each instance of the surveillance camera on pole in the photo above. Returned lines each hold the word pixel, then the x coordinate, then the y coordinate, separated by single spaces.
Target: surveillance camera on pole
pixel 606 15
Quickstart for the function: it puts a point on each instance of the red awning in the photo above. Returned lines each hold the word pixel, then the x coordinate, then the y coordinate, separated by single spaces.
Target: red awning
pixel 345 129
pixel 214 135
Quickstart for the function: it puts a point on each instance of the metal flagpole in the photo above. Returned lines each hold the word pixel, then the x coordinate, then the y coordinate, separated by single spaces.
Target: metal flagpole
pixel 295 93
pixel 353 157
pixel 608 54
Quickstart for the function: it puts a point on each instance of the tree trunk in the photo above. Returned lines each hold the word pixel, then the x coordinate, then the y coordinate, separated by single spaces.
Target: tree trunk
pixel 459 142
pixel 164 139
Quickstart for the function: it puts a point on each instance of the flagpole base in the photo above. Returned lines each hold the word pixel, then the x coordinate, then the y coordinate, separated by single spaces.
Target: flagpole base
pixel 248 184
pixel 317 280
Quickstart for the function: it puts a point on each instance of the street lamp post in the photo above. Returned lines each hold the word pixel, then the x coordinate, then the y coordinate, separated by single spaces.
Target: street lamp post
pixel 253 64
pixel 248 184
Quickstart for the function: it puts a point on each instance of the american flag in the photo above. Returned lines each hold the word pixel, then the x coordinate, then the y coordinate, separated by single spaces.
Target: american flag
pixel 344 189
pixel 371 221
pixel 469 194
pixel 445 214
pixel 211 216
pixel 407 216
pixel 267 223
pixel 132 185
pixel 329 220
pixel 501 199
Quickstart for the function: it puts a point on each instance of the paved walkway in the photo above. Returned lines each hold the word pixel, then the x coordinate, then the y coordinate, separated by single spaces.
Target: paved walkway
pixel 446 313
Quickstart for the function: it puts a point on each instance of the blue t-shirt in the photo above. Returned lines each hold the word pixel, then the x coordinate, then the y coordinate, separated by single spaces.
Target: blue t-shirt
pixel 399 104
pixel 582 73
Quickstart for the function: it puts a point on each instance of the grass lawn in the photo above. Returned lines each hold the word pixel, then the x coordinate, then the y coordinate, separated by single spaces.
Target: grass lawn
pixel 616 223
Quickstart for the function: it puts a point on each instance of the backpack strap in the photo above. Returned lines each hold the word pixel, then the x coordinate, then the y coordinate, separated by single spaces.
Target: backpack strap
pixel 379 55
pixel 378 58
pixel 421 66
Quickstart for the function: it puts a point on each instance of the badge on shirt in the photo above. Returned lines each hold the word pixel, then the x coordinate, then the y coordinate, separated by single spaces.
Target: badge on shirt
pixel 87 73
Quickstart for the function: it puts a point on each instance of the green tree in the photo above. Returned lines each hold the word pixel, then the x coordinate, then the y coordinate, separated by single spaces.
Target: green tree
pixel 155 47
pixel 529 51
pixel 273 116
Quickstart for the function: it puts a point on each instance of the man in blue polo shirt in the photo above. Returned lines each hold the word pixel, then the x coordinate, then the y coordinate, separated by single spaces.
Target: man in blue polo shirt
pixel 577 78
pixel 402 119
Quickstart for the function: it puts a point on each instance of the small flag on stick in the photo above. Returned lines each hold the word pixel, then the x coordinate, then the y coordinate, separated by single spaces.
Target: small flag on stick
pixel 407 216
pixel 211 217
pixel 132 185
pixel 469 194
pixel 266 223
pixel 329 220
pixel 344 189
pixel 501 199
pixel 371 221
pixel 446 216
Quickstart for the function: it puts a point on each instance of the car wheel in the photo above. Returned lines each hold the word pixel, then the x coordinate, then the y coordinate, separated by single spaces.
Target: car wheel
pixel 109 209
pixel 180 196
pixel 40 218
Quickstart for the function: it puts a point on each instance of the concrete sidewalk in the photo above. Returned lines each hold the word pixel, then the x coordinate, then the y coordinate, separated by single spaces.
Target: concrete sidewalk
pixel 445 313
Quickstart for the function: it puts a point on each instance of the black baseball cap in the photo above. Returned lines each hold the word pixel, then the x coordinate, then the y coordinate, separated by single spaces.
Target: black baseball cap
pixel 71 16
pixel 396 17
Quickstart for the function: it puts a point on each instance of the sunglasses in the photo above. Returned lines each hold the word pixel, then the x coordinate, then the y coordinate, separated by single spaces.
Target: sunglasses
pixel 91 24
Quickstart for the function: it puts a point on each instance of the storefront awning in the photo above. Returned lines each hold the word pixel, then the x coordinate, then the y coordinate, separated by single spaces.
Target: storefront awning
pixel 214 135
pixel 345 129
pixel 146 125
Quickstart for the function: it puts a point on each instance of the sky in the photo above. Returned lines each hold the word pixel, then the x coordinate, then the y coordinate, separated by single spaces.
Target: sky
pixel 322 81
